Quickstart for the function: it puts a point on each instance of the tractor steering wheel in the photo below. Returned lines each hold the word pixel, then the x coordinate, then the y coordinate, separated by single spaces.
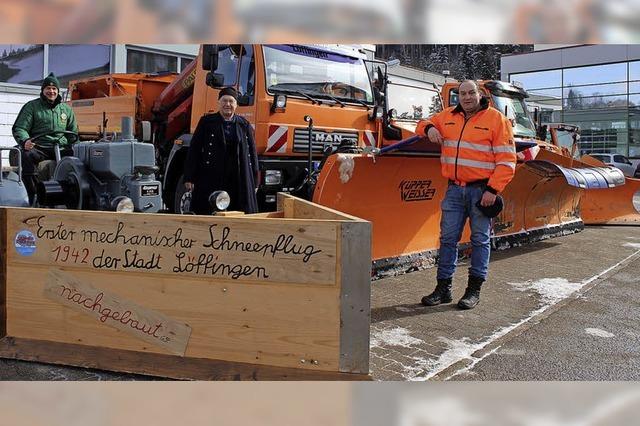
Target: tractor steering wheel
pixel 56 132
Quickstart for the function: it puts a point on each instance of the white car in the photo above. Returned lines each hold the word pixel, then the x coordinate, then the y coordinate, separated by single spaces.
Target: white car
pixel 616 160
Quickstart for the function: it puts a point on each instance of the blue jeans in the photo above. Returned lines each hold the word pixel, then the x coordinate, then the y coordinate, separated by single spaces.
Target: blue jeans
pixel 459 204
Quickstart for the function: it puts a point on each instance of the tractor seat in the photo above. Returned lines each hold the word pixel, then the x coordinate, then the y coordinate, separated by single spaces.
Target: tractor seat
pixel 146 170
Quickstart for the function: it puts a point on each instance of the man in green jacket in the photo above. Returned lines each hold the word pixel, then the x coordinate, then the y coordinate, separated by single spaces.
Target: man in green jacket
pixel 47 114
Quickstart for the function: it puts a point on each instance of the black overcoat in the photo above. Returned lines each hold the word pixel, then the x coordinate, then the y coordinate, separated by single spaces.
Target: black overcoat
pixel 204 165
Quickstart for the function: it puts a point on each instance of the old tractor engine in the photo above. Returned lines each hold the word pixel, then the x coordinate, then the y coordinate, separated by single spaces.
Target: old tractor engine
pixel 114 175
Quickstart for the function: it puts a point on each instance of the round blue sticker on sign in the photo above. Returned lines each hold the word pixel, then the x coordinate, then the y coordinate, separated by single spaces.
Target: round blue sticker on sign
pixel 25 243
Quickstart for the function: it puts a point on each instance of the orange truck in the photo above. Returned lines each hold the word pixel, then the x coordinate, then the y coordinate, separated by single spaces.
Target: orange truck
pixel 279 85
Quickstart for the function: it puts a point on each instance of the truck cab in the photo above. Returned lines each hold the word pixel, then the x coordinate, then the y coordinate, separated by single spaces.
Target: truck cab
pixel 278 86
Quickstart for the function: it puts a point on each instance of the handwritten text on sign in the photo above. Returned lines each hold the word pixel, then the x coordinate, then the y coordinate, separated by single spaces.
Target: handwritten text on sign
pixel 150 326
pixel 248 250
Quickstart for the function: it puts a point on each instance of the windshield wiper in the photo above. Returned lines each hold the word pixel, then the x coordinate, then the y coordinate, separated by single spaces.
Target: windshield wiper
pixel 333 98
pixel 297 92
pixel 363 103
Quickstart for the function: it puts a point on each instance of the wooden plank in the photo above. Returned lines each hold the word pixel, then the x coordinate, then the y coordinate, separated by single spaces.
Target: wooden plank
pixel 276 214
pixel 355 297
pixel 3 273
pixel 114 311
pixel 187 246
pixel 287 206
pixel 156 364
pixel 263 323
pixel 303 209
pixel 230 213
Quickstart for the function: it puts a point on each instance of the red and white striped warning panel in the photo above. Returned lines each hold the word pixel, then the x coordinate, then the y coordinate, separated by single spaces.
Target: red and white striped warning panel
pixel 529 153
pixel 277 141
pixel 369 138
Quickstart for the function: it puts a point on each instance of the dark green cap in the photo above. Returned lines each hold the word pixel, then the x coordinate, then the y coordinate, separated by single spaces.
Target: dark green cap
pixel 51 80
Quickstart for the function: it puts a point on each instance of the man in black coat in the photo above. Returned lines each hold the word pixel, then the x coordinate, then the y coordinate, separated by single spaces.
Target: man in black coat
pixel 222 156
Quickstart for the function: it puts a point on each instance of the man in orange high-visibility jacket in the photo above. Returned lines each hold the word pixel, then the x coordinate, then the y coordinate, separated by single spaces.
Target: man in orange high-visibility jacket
pixel 478 157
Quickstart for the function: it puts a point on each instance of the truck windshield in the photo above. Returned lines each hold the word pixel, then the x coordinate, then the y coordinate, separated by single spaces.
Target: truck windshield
pixel 301 70
pixel 516 110
pixel 413 103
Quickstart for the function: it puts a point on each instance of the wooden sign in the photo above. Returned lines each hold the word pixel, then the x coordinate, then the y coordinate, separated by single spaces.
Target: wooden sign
pixel 113 311
pixel 280 295
pixel 210 248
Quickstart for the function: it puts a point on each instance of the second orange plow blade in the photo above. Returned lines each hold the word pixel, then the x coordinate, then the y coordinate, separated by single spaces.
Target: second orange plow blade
pixel 613 206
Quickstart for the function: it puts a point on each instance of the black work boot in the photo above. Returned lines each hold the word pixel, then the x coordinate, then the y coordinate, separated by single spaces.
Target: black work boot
pixel 442 294
pixel 472 293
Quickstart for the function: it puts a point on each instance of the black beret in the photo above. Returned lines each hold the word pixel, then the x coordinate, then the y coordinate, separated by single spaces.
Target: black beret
pixel 228 91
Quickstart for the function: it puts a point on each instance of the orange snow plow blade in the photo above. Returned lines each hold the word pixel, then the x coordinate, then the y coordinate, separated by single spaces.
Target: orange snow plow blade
pixel 615 206
pixel 537 205
pixel 401 196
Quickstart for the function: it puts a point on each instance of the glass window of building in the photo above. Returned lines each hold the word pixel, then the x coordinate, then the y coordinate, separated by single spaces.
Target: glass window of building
pixel 545 98
pixel 184 62
pixel 634 125
pixel 139 61
pixel 22 63
pixel 73 61
pixel 634 70
pixel 634 87
pixel 596 90
pixel 552 93
pixel 538 79
pixel 575 101
pixel 609 73
pixel 604 100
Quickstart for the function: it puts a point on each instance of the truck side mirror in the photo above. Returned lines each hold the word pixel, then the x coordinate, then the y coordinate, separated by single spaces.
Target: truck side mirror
pixel 215 80
pixel 210 57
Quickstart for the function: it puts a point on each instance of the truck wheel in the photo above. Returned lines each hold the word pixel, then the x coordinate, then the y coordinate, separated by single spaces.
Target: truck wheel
pixel 182 199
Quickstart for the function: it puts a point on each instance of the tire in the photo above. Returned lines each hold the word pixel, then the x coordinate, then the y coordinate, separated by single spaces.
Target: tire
pixel 178 204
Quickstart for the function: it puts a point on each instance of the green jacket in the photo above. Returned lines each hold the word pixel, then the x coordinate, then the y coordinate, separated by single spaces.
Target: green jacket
pixel 39 116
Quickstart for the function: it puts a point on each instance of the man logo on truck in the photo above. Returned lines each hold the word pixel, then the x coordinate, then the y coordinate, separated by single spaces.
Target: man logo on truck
pixel 327 137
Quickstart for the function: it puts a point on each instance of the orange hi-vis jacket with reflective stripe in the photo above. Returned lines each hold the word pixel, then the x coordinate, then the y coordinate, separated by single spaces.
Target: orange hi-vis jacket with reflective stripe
pixel 481 147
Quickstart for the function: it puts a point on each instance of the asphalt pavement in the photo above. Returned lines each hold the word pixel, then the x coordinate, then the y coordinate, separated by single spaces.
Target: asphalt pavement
pixel 559 309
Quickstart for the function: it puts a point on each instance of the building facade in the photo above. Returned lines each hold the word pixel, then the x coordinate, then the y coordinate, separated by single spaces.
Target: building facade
pixel 594 86
pixel 22 68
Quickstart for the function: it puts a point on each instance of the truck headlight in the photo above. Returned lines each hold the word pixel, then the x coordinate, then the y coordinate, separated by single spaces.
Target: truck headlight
pixel 122 204
pixel 279 103
pixel 273 177
pixel 219 200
